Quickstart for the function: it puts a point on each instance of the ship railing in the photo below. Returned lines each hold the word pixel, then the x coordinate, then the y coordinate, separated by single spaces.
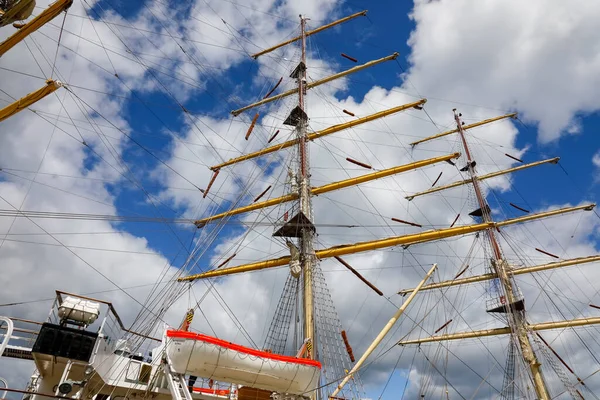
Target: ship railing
pixel 499 302
pixel 290 211
pixel 17 341
pixel 109 325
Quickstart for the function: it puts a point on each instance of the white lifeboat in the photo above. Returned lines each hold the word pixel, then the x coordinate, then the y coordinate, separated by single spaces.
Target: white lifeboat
pixel 209 357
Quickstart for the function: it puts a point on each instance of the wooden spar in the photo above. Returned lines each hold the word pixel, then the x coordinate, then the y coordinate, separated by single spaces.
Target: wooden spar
pixel 484 177
pixel 513 157
pixel 360 164
pixel 517 271
pixel 251 127
pixel 360 247
pixel 462 271
pixel 274 136
pixel 386 329
pixel 349 58
pixel 502 331
pixel 311 85
pixel 309 33
pixel 36 23
pixel 359 276
pixel 595 306
pixel 348 347
pixel 29 99
pixel 519 208
pixel 328 188
pixel 348 112
pixel 262 194
pixel 546 253
pixel 407 222
pixel 455 219
pixel 210 183
pixel 226 261
pixel 255 206
pixel 274 87
pixel 381 174
pixel 324 132
pixel 437 179
pixel 443 326
pixel 474 125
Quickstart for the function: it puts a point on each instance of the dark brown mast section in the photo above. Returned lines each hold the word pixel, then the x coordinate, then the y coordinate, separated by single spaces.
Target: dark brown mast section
pixel 512 305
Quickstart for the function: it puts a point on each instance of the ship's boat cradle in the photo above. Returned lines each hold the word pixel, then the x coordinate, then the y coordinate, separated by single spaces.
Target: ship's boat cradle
pixel 206 356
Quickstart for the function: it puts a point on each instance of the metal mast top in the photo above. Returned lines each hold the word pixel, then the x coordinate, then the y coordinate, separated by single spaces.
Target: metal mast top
pixel 515 314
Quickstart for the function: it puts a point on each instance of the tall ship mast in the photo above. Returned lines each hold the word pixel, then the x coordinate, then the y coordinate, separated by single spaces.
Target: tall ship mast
pixel 86 350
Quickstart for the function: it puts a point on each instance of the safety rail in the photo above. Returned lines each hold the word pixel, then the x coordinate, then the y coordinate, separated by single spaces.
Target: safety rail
pixel 16 342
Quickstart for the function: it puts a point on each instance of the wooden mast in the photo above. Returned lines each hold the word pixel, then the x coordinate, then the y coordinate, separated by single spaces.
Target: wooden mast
pixel 307 253
pixel 516 319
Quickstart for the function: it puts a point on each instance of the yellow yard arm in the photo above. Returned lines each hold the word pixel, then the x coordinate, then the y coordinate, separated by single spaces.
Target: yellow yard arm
pixel 45 16
pixel 328 188
pixel 502 331
pixel 517 271
pixel 422 237
pixel 309 33
pixel 319 134
pixel 476 124
pixel 28 100
pixel 486 176
pixel 310 85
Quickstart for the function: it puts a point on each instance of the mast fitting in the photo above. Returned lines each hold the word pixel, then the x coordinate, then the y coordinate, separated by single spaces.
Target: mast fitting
pixel 348 347
pixel 349 58
pixel 251 127
pixel 360 164
pixel 274 136
pixel 407 222
pixel 210 183
pixel 274 87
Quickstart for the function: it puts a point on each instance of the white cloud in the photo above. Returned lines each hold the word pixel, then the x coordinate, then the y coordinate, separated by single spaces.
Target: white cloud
pixel 537 57
pixel 596 159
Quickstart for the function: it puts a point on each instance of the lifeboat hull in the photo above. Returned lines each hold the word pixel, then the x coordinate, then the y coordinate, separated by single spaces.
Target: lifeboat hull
pixel 209 357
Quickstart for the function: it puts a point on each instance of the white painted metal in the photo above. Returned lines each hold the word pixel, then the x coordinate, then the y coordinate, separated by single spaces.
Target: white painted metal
pixel 195 357
pixel 79 310
pixel 7 335
pixel 5 386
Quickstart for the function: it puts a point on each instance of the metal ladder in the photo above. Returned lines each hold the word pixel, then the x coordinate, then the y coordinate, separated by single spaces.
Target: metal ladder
pixel 176 383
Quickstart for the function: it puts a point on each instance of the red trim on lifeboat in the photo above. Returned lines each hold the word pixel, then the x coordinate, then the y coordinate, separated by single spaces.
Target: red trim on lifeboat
pixel 218 392
pixel 241 349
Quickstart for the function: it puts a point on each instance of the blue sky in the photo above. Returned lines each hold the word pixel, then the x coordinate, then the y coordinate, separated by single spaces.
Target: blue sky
pixel 385 30
pixel 484 60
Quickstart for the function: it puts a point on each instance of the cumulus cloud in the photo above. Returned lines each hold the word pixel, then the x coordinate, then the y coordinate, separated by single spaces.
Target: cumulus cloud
pixel 536 57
